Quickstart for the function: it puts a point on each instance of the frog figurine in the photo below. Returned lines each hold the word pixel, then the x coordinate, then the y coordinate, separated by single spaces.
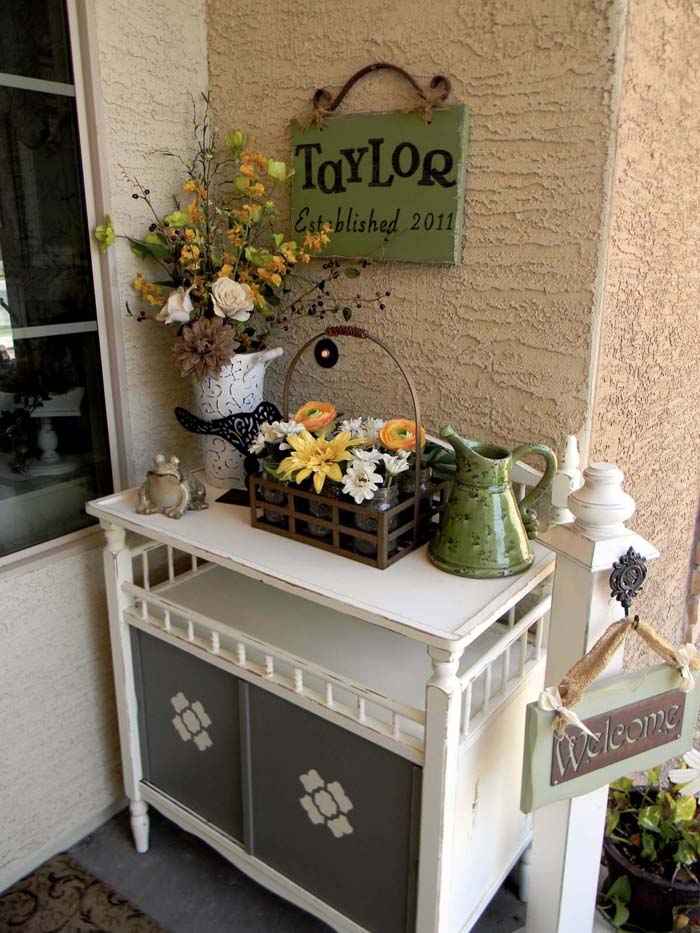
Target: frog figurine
pixel 170 489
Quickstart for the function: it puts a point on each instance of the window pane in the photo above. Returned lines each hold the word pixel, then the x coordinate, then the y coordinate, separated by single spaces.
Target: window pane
pixel 53 438
pixel 55 453
pixel 34 40
pixel 44 239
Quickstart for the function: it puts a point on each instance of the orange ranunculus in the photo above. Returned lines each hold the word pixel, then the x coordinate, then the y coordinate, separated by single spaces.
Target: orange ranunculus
pixel 315 415
pixel 400 434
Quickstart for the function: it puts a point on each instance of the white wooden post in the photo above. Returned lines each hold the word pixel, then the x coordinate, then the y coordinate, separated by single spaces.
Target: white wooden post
pixel 568 835
pixel 443 713
pixel 119 570
pixel 567 480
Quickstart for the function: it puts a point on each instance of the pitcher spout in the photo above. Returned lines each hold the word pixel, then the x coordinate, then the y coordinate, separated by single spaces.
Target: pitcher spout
pixel 463 448
pixel 267 356
pixel 260 358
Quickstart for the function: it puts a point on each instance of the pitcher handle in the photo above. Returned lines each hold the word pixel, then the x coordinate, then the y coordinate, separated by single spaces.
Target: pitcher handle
pixel 527 513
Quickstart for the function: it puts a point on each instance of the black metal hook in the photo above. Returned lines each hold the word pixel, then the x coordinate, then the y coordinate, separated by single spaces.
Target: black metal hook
pixel 627 578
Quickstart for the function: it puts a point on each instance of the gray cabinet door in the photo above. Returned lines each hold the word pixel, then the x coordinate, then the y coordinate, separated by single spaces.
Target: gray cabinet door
pixel 189 715
pixel 333 812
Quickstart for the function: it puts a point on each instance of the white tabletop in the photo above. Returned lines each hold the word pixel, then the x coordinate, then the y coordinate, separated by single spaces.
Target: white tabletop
pixel 411 597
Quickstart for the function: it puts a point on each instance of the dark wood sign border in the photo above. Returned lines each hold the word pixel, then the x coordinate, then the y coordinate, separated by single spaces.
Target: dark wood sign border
pixel 606 725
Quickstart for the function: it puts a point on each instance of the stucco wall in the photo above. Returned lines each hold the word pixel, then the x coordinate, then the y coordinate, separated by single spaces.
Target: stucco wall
pixel 500 344
pixel 60 760
pixel 153 59
pixel 646 410
pixel 59 766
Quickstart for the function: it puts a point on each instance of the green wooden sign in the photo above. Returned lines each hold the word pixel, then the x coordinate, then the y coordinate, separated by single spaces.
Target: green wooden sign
pixel 390 184
pixel 639 719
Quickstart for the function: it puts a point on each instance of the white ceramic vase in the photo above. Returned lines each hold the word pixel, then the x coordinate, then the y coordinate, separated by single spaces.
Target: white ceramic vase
pixel 237 388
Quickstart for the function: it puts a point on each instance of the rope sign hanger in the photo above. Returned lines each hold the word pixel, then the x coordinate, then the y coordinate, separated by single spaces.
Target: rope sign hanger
pixel 626 580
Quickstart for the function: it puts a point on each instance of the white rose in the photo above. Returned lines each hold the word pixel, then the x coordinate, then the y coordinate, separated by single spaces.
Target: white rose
pixel 178 308
pixel 232 299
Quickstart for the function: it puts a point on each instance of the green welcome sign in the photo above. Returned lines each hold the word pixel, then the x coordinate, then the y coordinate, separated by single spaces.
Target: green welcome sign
pixel 637 720
pixel 390 184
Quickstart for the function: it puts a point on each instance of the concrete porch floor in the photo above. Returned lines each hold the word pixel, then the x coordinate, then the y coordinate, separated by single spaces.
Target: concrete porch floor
pixel 186 887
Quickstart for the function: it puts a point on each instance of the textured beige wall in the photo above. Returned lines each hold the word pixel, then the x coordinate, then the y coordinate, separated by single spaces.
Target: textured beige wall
pixel 646 410
pixel 59 765
pixel 153 58
pixel 500 344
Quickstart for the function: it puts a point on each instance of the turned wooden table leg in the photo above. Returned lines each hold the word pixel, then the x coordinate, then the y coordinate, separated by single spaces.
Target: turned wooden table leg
pixel 443 711
pixel 140 824
pixel 119 570
pixel 524 871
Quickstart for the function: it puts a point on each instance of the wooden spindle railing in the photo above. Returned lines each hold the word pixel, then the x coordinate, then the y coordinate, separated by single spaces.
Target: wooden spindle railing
pixel 527 632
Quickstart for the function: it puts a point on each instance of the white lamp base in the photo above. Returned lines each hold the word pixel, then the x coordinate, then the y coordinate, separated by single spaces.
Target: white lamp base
pixel 50 462
pixel 60 467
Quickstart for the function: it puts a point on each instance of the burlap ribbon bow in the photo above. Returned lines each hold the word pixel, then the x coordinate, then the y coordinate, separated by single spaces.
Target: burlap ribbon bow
pixel 576 680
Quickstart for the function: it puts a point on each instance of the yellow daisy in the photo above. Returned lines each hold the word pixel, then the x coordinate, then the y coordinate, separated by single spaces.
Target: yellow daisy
pixel 317 457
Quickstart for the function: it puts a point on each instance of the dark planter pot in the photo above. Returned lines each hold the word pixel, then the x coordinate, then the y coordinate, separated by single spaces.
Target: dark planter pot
pixel 653 898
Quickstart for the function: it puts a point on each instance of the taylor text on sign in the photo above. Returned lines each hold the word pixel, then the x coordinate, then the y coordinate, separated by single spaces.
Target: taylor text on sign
pixel 390 184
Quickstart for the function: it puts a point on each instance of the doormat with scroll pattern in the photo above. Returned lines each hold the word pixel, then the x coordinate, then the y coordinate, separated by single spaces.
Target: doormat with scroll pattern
pixel 62 897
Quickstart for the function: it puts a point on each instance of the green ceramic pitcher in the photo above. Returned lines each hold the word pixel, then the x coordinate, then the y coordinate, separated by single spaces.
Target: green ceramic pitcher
pixel 484 531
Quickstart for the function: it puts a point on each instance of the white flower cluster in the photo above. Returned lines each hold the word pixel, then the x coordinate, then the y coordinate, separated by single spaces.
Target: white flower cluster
pixel 689 776
pixel 368 428
pixel 361 479
pixel 369 466
pixel 274 433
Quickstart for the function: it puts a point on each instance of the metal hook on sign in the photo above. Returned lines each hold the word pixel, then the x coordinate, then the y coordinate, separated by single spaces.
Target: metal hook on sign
pixel 627 578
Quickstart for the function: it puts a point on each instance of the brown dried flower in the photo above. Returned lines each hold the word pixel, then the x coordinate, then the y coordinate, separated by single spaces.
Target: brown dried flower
pixel 204 347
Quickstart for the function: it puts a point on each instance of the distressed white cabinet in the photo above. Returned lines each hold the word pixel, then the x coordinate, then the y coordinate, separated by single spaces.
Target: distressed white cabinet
pixel 349 737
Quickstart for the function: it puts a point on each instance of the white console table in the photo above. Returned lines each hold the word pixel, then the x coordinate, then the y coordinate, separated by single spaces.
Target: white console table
pixel 350 738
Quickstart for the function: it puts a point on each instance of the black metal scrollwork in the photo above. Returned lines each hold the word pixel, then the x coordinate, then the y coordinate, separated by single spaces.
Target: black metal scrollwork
pixel 239 429
pixel 627 578
pixel 438 90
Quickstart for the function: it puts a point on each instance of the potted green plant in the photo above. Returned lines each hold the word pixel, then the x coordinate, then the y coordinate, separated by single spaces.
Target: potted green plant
pixel 652 848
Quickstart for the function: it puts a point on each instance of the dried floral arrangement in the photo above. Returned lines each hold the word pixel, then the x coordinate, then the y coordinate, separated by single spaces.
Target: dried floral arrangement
pixel 356 456
pixel 219 266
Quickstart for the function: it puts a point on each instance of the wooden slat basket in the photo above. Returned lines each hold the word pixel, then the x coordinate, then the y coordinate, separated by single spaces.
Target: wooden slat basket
pixel 328 521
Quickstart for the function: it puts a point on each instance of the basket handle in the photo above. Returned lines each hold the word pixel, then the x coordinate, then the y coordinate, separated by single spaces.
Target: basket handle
pixel 347 330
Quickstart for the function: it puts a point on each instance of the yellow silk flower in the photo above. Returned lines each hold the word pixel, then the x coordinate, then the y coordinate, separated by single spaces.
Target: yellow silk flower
pixel 317 457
